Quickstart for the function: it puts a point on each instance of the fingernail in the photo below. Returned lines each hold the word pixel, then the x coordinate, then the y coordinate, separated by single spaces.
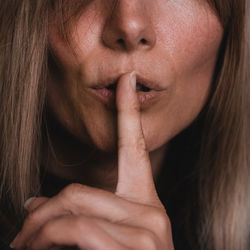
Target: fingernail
pixel 28 202
pixel 133 80
pixel 13 243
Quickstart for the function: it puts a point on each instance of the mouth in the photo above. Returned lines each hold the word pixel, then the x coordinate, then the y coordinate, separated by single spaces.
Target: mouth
pixel 139 87
pixel 147 91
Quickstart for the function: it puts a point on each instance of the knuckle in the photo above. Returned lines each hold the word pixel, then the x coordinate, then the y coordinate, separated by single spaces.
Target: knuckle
pixel 81 224
pixel 137 144
pixel 48 230
pixel 32 218
pixel 87 228
pixel 160 220
pixel 72 190
pixel 147 240
pixel 126 146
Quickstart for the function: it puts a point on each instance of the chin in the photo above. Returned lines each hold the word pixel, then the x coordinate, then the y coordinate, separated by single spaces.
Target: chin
pixel 108 142
pixel 102 138
pixel 107 145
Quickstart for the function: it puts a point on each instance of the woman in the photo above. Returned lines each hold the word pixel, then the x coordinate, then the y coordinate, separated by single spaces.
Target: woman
pixel 143 105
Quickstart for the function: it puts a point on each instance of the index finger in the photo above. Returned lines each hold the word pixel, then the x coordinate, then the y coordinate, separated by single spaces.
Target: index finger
pixel 135 179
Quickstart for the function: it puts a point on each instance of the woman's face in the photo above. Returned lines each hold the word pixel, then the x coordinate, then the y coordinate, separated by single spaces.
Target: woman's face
pixel 171 44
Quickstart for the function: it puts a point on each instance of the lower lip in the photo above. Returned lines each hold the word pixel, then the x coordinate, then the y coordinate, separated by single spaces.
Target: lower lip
pixel 108 97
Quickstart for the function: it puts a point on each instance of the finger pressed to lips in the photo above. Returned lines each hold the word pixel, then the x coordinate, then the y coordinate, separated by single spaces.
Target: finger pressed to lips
pixel 135 195
pixel 135 179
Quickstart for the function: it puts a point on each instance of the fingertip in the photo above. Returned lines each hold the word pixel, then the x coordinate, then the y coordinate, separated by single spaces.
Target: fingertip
pixel 126 96
pixel 34 202
pixel 133 80
pixel 28 202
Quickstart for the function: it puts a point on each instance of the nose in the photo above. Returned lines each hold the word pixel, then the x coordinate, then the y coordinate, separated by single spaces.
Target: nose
pixel 129 26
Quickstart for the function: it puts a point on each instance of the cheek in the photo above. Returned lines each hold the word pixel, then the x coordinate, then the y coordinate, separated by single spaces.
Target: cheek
pixel 190 36
pixel 177 110
pixel 188 42
pixel 192 45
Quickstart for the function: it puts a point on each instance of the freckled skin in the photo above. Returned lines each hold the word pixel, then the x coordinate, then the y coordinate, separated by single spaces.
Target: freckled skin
pixel 182 42
pixel 173 42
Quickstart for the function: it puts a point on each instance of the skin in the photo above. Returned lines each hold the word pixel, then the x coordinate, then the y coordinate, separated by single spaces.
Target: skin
pixel 182 42
pixel 80 216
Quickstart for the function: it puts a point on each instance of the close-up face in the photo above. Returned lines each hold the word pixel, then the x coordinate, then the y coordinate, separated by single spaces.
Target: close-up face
pixel 171 44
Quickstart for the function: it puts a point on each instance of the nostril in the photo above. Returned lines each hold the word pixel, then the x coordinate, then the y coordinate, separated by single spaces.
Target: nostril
pixel 120 41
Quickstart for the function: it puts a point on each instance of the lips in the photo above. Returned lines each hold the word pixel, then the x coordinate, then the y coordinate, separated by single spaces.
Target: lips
pixel 147 91
pixel 139 87
pixel 142 83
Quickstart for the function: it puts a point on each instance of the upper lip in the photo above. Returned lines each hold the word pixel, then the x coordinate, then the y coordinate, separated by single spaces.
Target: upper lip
pixel 151 84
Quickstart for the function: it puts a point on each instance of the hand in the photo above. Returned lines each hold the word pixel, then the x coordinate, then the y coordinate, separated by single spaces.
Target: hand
pixel 83 217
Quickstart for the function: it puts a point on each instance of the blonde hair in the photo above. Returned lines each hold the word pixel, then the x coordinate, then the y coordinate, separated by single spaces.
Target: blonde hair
pixel 23 30
pixel 224 183
pixel 224 160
